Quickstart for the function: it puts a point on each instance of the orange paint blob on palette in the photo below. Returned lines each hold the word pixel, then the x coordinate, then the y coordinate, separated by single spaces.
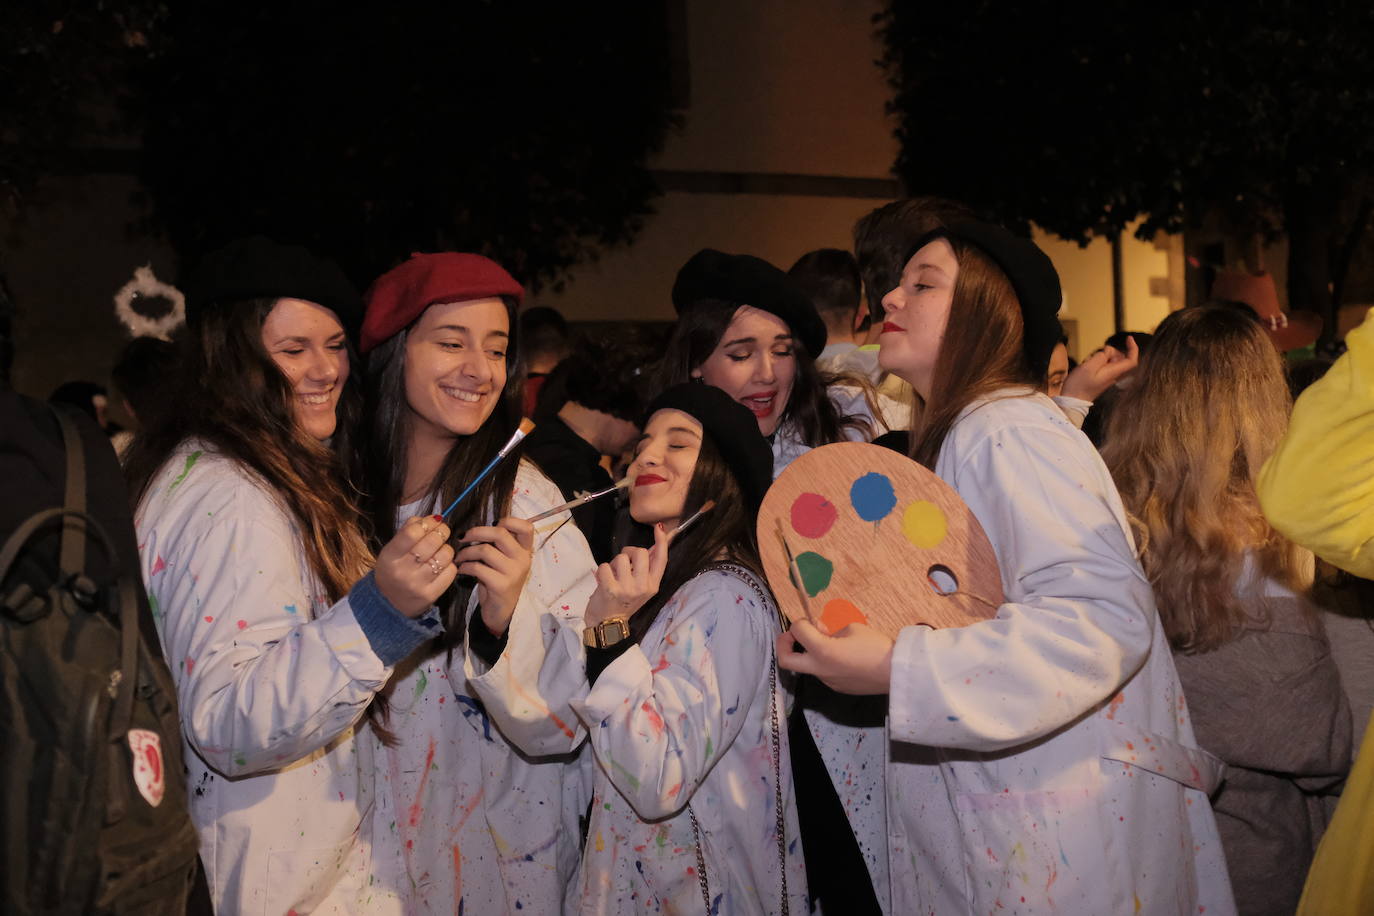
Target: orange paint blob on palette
pixel 874 538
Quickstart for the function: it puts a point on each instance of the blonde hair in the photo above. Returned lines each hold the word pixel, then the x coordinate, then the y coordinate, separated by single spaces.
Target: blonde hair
pixel 1185 444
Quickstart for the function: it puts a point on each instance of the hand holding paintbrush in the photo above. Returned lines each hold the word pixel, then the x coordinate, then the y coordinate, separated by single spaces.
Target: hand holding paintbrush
pixel 626 584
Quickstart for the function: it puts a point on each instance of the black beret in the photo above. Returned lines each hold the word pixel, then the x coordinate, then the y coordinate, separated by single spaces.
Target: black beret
pixel 259 268
pixel 1032 275
pixel 748 280
pixel 731 427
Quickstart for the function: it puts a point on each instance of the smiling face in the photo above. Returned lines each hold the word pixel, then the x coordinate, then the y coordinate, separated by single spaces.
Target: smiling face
pixel 665 460
pixel 306 342
pixel 455 366
pixel 755 363
pixel 916 313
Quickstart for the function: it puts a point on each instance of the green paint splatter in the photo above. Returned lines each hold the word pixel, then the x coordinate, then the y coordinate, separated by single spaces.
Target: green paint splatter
pixel 421 684
pixel 630 777
pixel 191 460
pixel 816 571
pixel 152 605
pixel 661 839
pixel 708 747
pixel 238 759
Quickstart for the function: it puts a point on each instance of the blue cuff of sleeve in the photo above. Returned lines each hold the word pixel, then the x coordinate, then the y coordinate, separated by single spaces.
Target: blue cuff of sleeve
pixel 391 634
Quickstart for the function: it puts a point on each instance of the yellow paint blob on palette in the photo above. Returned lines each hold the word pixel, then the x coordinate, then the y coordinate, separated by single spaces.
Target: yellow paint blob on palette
pixel 874 538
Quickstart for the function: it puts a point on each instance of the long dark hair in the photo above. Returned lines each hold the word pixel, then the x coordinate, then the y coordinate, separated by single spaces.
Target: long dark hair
pixel 388 440
pixel 725 533
pixel 226 391
pixel 982 351
pixel 698 332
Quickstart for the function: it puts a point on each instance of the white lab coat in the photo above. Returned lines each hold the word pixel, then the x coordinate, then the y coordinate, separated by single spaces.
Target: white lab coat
pixel 271 683
pixel 461 816
pixel 1043 761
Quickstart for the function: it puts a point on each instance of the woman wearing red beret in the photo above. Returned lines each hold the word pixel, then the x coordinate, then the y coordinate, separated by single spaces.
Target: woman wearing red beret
pixel 478 826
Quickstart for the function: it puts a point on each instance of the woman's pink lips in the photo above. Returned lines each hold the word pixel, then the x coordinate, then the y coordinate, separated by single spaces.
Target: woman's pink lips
pixel 644 480
pixel 759 410
pixel 889 327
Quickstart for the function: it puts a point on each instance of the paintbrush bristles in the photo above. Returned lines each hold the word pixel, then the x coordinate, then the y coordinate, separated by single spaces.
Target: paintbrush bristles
pixel 705 507
pixel 526 426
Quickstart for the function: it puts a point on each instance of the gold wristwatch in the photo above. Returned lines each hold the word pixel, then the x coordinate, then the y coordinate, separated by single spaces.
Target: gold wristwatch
pixel 607 633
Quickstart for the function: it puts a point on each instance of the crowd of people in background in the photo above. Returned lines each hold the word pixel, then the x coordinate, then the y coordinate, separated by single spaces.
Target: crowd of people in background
pixel 405 687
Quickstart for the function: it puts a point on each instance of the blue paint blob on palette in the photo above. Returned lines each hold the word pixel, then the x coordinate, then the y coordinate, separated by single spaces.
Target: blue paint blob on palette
pixel 872 496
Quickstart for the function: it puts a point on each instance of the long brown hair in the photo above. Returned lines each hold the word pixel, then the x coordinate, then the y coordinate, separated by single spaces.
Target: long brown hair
pixel 698 332
pixel 228 393
pixel 982 351
pixel 1185 444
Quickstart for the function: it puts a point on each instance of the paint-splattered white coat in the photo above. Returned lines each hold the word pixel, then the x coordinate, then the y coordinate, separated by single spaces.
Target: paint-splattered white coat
pixel 271 683
pixel 686 716
pixel 1043 761
pixel 298 806
pixel 463 822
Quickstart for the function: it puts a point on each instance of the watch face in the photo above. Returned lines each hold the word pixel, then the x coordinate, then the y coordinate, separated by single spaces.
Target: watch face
pixel 614 631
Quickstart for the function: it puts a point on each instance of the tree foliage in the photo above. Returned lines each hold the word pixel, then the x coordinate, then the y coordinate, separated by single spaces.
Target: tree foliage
pixel 1083 117
pixel 64 69
pixel 372 130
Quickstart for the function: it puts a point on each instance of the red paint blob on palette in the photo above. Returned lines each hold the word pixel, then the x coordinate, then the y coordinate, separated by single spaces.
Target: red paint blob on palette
pixel 813 515
pixel 839 614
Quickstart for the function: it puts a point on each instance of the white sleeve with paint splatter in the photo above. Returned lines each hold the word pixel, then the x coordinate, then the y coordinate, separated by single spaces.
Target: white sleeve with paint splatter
pixel 529 691
pixel 265 675
pixel 659 724
pixel 1078 617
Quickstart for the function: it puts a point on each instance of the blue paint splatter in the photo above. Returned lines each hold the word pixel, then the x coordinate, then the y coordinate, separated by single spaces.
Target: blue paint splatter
pixel 474 708
pixel 733 709
pixel 952 718
pixel 872 496
pixel 290 609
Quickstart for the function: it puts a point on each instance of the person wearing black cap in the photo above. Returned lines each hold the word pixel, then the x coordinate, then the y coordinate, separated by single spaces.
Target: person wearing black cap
pixel 1043 759
pixel 680 696
pixel 277 634
pixel 749 329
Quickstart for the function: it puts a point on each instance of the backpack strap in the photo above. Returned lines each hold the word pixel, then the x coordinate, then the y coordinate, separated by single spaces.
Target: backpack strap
pixel 72 559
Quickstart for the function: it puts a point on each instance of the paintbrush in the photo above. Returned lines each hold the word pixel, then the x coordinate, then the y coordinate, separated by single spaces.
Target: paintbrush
pixel 526 425
pixel 705 507
pixel 581 499
pixel 794 573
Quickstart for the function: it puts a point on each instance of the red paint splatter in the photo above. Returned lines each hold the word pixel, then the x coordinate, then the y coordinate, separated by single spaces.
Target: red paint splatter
pixel 991 856
pixel 209 619
pixel 662 663
pixel 190 663
pixel 243 624
pixel 416 809
pixel 1114 705
pixel 655 719
pixel 812 515
pixel 158 565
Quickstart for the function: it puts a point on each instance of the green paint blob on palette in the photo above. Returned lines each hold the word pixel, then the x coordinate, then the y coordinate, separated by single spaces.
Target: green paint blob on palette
pixel 866 526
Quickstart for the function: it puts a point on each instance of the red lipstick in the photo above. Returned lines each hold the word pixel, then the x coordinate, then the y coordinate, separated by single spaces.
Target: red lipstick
pixel 889 327
pixel 644 480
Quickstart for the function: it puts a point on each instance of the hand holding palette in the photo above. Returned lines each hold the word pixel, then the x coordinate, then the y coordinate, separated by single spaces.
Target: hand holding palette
pixel 875 538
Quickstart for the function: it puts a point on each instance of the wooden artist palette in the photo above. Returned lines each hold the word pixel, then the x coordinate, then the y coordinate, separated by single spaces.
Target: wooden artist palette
pixel 878 539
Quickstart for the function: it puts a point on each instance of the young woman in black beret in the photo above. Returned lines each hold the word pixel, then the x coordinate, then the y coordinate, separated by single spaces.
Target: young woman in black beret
pixel 745 327
pixel 252 548
pixel 693 807
pixel 1041 760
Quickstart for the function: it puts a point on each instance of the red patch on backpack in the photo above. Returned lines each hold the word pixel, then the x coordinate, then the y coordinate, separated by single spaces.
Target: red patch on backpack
pixel 148 770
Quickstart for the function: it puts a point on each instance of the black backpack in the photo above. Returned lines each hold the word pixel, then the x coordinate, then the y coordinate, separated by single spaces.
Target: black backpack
pixel 93 805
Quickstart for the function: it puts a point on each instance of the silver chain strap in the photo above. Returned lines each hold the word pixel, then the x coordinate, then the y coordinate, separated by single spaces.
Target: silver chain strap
pixel 780 827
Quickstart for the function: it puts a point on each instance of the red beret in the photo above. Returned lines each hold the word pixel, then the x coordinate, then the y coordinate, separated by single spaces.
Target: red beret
pixel 402 294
